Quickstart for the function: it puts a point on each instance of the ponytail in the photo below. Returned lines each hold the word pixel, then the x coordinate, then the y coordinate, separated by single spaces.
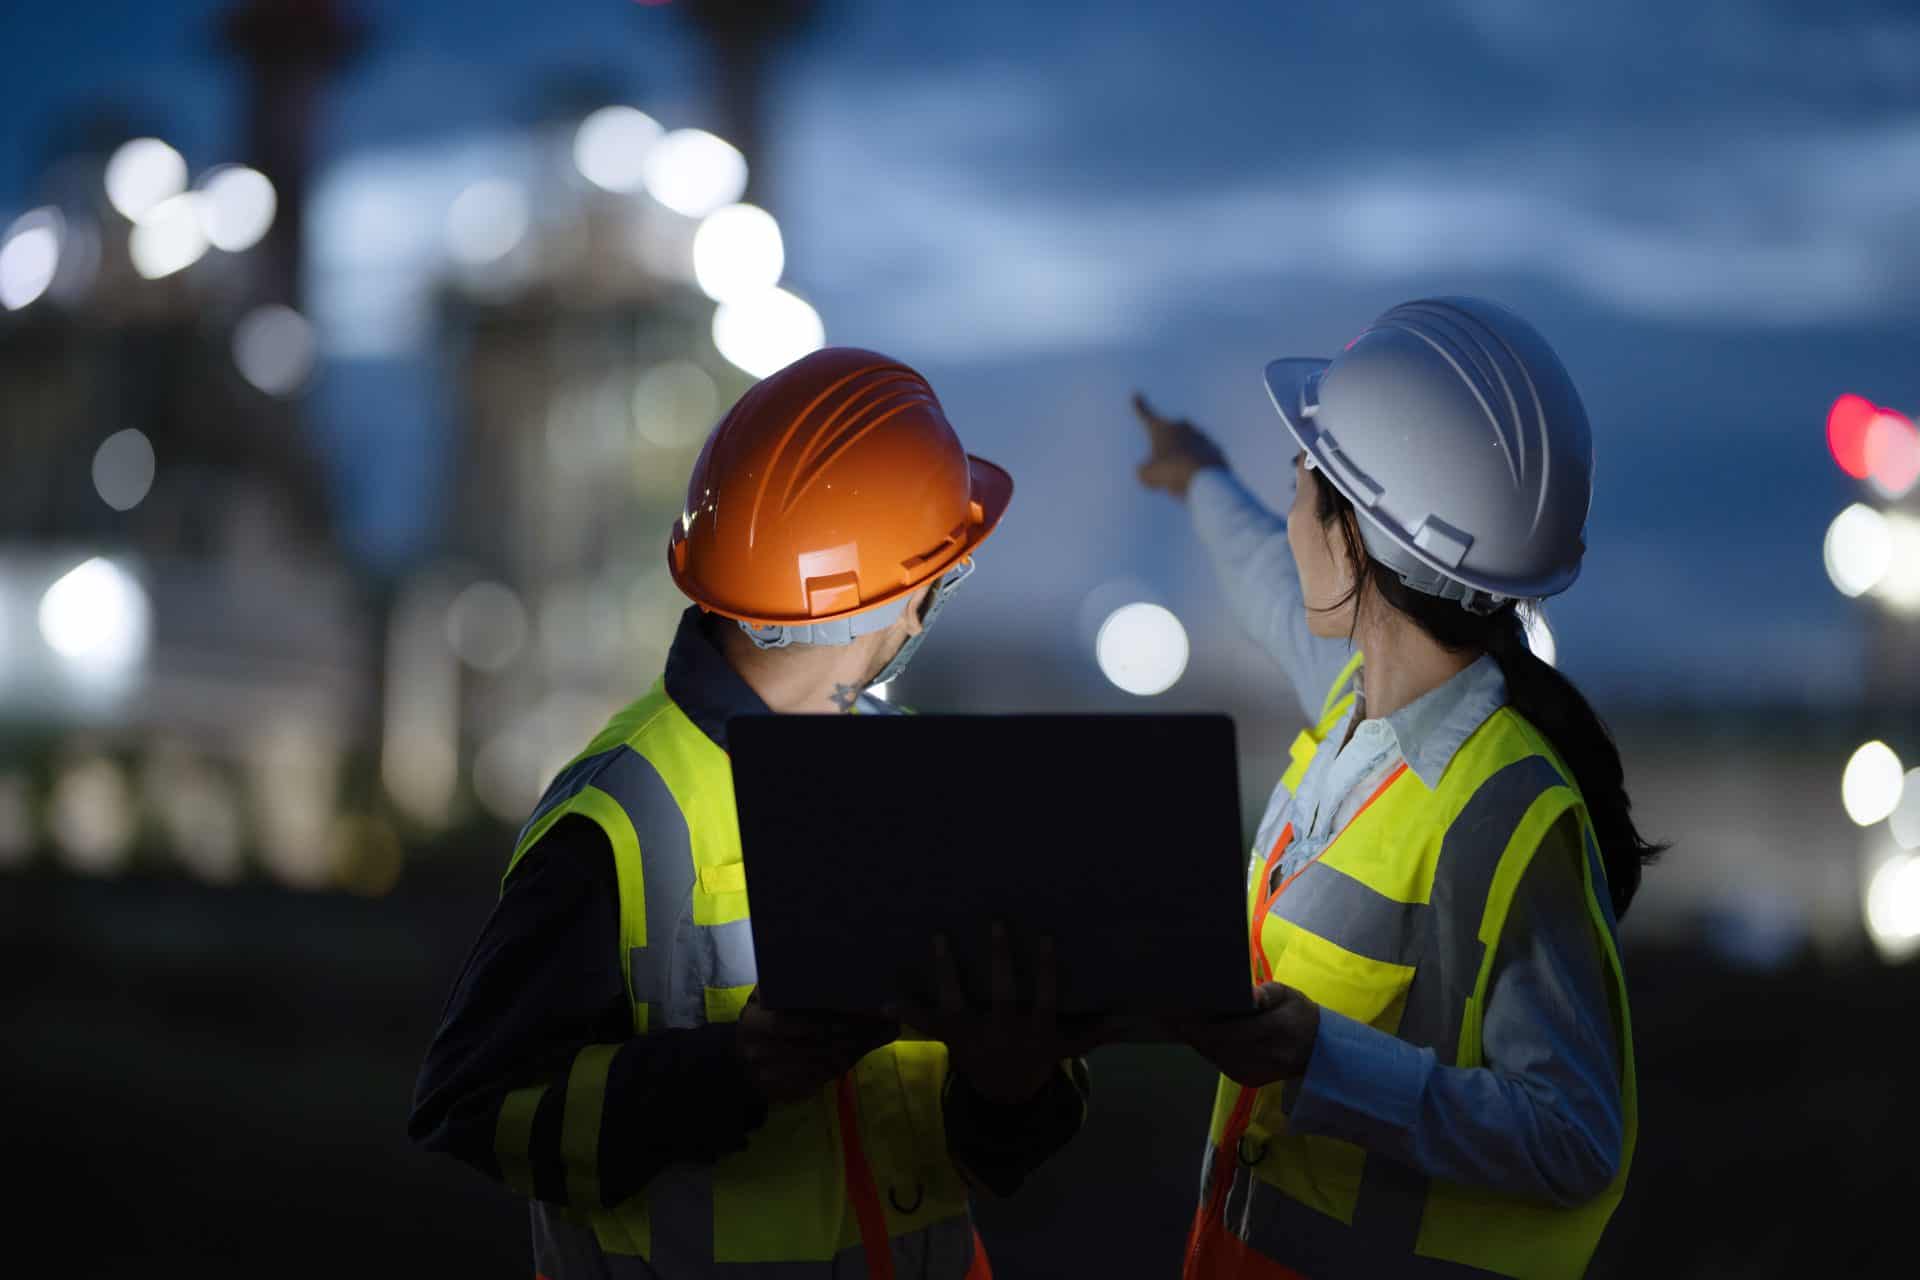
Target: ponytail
pixel 1548 700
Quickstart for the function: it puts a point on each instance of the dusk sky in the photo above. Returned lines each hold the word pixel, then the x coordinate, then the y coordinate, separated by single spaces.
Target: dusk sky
pixel 1710 209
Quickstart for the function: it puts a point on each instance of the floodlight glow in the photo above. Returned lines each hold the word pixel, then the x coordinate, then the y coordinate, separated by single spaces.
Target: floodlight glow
pixel 1142 648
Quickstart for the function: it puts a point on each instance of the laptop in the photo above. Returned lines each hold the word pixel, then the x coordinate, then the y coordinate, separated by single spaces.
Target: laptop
pixel 1119 835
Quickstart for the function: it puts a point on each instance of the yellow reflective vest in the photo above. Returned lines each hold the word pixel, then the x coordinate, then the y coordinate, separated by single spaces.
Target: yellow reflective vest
pixel 1396 925
pixel 662 791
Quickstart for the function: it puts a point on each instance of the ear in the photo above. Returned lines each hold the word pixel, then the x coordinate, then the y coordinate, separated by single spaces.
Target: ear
pixel 916 603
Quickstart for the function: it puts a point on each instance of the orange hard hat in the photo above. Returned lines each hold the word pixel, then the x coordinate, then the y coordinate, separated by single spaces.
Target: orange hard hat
pixel 832 487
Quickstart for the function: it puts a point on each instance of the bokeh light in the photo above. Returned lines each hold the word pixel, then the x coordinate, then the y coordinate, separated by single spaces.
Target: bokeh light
pixel 142 174
pixel 123 469
pixel 610 147
pixel 692 172
pixel 169 238
pixel 486 221
pixel 1893 455
pixel 236 207
pixel 1899 587
pixel 1904 821
pixel 274 349
pixel 97 618
pixel 91 816
pixel 1871 785
pixel 29 258
pixel 198 809
pixel 765 332
pixel 487 626
pixel 1540 637
pixel 1142 648
pixel 1893 907
pixel 1858 549
pixel 738 251
pixel 674 404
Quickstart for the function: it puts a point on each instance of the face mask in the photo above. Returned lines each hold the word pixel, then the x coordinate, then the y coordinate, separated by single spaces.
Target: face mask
pixel 935 602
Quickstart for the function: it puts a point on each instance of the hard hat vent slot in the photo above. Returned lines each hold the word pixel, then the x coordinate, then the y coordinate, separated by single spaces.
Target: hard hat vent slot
pixel 910 567
pixel 833 593
pixel 1442 541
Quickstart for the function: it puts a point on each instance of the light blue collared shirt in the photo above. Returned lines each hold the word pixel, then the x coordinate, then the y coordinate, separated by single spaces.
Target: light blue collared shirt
pixel 1542 1118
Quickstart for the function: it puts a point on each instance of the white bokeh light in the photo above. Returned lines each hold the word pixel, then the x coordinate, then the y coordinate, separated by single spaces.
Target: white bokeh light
pixel 236 207
pixel 487 625
pixel 1899 587
pixel 738 251
pixel 1142 648
pixel 169 238
pixel 29 257
pixel 1893 906
pixel 486 221
pixel 1540 638
pixel 1858 549
pixel 692 172
pixel 1904 821
pixel 97 618
pixel 123 469
pixel 91 816
pixel 674 403
pixel 1870 788
pixel 274 347
pixel 610 147
pixel 142 174
pixel 765 332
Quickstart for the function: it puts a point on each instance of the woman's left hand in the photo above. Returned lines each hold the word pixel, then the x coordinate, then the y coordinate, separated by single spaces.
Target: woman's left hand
pixel 1273 1042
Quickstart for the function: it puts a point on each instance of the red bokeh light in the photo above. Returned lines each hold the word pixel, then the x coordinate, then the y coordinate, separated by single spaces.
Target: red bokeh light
pixel 1847 425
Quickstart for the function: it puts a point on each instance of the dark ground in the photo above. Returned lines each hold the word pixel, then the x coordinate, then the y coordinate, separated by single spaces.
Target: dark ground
pixel 214 1082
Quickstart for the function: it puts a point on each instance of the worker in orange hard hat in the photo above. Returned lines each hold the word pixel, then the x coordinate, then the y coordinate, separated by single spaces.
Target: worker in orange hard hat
pixel 603 1052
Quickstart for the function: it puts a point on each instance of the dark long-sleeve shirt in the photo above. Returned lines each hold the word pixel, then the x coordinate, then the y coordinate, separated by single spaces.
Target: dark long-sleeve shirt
pixel 544 983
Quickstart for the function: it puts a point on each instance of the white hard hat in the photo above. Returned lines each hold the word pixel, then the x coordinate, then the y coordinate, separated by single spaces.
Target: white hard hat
pixel 1459 438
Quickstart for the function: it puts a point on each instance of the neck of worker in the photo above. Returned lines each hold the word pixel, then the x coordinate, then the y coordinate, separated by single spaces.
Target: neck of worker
pixel 1403 661
pixel 803 679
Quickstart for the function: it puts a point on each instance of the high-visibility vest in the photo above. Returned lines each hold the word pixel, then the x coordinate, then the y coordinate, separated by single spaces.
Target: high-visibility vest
pixel 1396 924
pixel 825 1180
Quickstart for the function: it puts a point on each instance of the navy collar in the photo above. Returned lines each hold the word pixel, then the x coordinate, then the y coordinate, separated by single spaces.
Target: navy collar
pixel 700 680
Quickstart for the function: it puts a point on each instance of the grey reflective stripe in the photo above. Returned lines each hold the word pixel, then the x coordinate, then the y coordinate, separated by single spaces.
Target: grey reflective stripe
pixel 666 865
pixel 1469 856
pixel 1314 1244
pixel 1327 901
pixel 732 946
pixel 566 786
pixel 1393 1196
pixel 680 1208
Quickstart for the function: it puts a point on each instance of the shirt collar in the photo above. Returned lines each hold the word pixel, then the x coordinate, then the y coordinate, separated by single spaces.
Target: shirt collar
pixel 1429 730
pixel 702 683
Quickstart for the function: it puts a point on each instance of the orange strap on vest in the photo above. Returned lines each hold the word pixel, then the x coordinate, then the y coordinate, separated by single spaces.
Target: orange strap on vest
pixel 860 1188
pixel 866 1197
pixel 1213 1252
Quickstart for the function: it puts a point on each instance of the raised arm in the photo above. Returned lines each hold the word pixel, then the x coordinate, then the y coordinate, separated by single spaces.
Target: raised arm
pixel 1247 545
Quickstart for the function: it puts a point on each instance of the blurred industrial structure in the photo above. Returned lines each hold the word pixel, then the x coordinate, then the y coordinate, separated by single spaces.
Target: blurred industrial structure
pixel 195 672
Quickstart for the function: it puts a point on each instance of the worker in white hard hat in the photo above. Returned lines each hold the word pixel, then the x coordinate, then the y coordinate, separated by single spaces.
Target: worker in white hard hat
pixel 1436 1074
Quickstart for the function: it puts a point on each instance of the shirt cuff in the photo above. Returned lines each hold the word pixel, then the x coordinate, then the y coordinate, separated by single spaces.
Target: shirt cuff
pixel 1361 1085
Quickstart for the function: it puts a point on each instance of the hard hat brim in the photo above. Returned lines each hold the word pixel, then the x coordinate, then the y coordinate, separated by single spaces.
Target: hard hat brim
pixel 989 487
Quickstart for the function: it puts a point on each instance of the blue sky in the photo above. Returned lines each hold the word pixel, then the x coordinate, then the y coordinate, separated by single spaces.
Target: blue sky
pixel 1708 208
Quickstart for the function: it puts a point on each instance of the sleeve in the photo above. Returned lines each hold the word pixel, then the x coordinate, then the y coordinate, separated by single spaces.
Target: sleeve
pixel 1542 1119
pixel 1247 545
pixel 997 1146
pixel 535 1077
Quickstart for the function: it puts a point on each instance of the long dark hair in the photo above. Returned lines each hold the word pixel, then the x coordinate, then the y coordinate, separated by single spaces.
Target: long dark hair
pixel 1547 699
